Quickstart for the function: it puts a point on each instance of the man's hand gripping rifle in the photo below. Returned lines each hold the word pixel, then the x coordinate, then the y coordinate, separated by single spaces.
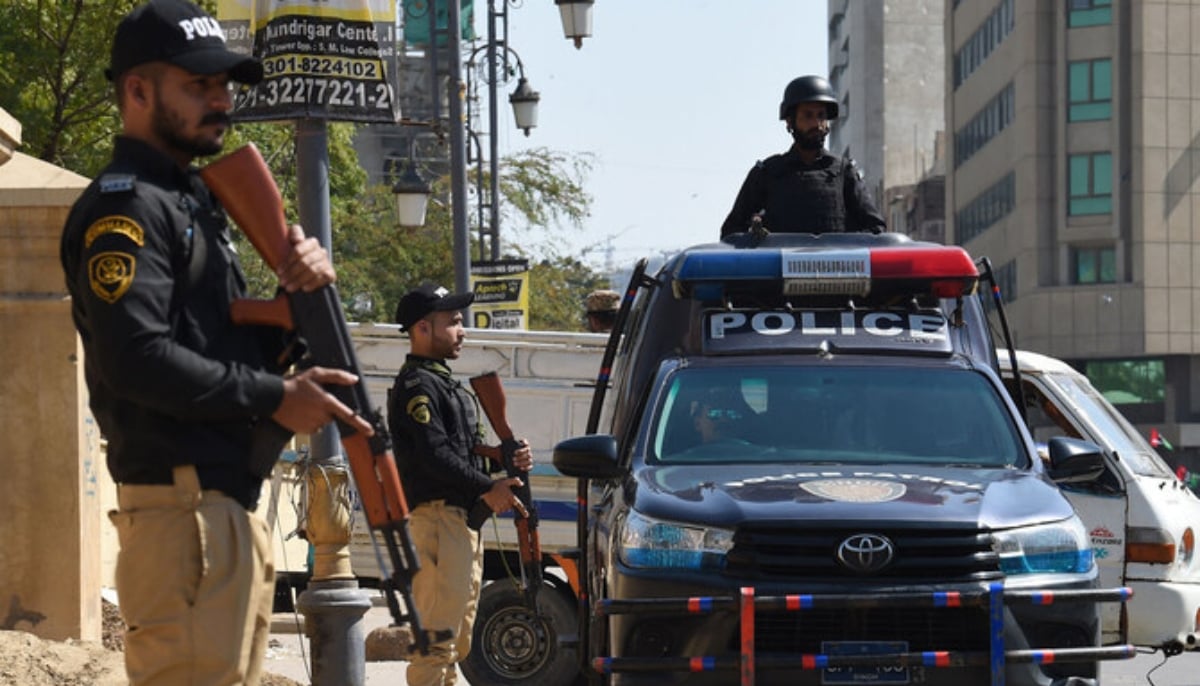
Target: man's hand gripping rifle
pixel 491 398
pixel 243 184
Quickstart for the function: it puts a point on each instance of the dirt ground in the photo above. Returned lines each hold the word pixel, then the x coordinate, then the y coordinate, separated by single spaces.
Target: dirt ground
pixel 26 660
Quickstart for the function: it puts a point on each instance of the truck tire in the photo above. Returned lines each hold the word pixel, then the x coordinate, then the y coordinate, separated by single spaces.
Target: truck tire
pixel 511 645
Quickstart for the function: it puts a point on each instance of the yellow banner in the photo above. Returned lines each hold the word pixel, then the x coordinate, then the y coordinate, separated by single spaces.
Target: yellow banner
pixel 501 291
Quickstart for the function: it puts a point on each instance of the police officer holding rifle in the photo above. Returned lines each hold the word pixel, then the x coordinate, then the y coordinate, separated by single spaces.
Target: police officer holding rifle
pixel 435 426
pixel 194 407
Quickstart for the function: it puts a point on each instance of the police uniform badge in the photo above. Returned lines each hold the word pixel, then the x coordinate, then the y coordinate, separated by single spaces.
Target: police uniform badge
pixel 418 409
pixel 110 273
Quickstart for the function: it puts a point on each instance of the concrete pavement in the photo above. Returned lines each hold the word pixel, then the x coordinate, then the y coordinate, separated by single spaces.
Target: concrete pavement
pixel 289 655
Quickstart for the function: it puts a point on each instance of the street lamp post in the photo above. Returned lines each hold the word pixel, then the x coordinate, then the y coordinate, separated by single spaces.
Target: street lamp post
pixel 524 101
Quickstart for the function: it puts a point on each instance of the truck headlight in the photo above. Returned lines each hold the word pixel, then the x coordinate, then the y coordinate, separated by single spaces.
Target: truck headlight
pixel 656 544
pixel 1058 548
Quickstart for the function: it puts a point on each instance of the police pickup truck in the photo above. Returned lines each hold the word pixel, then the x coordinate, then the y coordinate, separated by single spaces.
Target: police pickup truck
pixel 811 473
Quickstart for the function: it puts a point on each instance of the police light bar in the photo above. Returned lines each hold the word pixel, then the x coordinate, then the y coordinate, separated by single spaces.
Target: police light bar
pixel 943 271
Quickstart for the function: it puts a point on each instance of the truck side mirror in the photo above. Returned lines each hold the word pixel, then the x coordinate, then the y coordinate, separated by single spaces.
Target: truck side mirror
pixel 588 457
pixel 1074 461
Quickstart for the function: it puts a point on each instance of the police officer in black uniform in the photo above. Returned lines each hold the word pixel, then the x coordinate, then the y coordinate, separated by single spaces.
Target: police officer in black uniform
pixel 435 426
pixel 194 408
pixel 805 190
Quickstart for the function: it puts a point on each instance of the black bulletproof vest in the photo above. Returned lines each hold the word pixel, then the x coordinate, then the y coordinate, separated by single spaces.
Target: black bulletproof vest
pixel 805 199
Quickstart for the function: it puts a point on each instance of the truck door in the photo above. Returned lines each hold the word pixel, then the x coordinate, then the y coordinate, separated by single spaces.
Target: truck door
pixel 1103 506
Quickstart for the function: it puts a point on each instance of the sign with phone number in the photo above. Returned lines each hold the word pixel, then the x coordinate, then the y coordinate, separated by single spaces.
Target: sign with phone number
pixel 333 61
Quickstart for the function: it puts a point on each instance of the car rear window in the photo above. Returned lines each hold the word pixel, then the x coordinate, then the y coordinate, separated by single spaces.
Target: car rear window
pixel 834 415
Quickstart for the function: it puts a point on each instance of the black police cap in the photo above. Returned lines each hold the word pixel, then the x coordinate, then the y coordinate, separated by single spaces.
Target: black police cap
pixel 180 33
pixel 425 299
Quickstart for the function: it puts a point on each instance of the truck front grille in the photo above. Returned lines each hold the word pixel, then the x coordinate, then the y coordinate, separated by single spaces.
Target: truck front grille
pixel 786 553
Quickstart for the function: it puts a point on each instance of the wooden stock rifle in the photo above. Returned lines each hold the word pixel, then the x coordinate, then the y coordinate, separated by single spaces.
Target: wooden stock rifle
pixel 491 398
pixel 244 186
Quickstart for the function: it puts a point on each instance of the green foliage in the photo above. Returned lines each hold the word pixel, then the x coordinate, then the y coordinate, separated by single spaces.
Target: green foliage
pixel 558 287
pixel 52 61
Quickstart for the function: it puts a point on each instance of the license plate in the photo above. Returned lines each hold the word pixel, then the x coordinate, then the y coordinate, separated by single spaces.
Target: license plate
pixel 864 675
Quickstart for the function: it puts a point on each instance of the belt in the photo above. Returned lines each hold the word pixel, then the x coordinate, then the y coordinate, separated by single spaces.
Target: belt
pixel 186 487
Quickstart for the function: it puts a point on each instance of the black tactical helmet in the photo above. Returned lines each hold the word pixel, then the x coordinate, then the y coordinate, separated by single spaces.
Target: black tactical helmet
pixel 808 89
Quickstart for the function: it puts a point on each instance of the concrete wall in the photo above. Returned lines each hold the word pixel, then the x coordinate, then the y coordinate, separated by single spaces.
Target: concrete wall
pixel 49 493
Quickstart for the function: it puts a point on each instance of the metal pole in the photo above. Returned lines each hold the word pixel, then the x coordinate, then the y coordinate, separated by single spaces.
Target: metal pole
pixel 458 155
pixel 493 131
pixel 333 605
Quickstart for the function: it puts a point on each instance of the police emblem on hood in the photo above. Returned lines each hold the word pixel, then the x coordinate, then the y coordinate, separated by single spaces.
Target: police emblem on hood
pixel 855 490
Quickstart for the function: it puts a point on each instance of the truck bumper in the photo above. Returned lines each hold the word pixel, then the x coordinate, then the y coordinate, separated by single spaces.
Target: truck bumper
pixel 963 629
pixel 1163 613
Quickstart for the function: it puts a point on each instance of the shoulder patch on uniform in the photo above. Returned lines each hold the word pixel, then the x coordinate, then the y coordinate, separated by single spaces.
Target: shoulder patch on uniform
pixel 418 409
pixel 117 183
pixel 110 274
pixel 114 223
pixel 413 382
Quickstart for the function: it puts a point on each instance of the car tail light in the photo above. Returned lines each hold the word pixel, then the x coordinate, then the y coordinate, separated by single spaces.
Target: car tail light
pixel 1153 546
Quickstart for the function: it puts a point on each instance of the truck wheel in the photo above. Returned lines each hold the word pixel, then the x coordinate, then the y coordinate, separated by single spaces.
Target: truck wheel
pixel 512 645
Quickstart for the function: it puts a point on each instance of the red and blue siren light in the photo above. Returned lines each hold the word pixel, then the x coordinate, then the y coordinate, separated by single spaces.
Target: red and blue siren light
pixel 944 271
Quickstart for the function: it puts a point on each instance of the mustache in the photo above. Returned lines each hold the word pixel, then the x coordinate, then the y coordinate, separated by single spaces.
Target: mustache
pixel 222 118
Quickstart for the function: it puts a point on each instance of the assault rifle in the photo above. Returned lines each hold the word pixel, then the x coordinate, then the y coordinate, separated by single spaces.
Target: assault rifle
pixel 243 184
pixel 491 398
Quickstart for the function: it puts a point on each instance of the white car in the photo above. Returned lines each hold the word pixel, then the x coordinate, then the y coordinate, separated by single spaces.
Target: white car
pixel 1142 520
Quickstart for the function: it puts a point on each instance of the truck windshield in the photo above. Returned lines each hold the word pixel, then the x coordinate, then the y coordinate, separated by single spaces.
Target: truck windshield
pixel 834 415
pixel 1115 431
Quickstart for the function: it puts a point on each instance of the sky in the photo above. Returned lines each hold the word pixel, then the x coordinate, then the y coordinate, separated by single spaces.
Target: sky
pixel 674 99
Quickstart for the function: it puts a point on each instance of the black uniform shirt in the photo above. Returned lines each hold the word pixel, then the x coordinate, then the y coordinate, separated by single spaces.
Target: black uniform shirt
pixel 151 272
pixel 435 428
pixel 823 197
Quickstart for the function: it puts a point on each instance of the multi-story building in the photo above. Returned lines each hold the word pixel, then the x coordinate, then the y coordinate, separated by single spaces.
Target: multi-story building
pixel 885 60
pixel 1073 131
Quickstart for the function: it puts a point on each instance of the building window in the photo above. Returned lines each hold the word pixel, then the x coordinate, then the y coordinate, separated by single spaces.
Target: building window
pixel 1090 181
pixel 986 209
pixel 986 38
pixel 1094 264
pixel 986 124
pixel 1128 382
pixel 1088 13
pixel 1090 87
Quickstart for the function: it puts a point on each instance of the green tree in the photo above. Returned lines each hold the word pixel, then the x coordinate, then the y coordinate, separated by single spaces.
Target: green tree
pixel 52 60
pixel 558 287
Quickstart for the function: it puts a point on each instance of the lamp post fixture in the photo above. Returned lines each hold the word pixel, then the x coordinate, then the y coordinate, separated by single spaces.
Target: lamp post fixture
pixel 576 19
pixel 524 102
pixel 412 197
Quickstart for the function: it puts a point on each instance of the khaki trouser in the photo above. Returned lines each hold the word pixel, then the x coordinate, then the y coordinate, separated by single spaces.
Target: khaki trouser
pixel 195 582
pixel 446 589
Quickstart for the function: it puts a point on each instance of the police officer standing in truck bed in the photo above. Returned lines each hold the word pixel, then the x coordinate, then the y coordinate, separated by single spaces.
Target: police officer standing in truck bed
pixel 805 190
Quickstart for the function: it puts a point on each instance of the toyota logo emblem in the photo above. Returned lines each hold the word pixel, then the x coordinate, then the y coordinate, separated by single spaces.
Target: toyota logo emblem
pixel 866 553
